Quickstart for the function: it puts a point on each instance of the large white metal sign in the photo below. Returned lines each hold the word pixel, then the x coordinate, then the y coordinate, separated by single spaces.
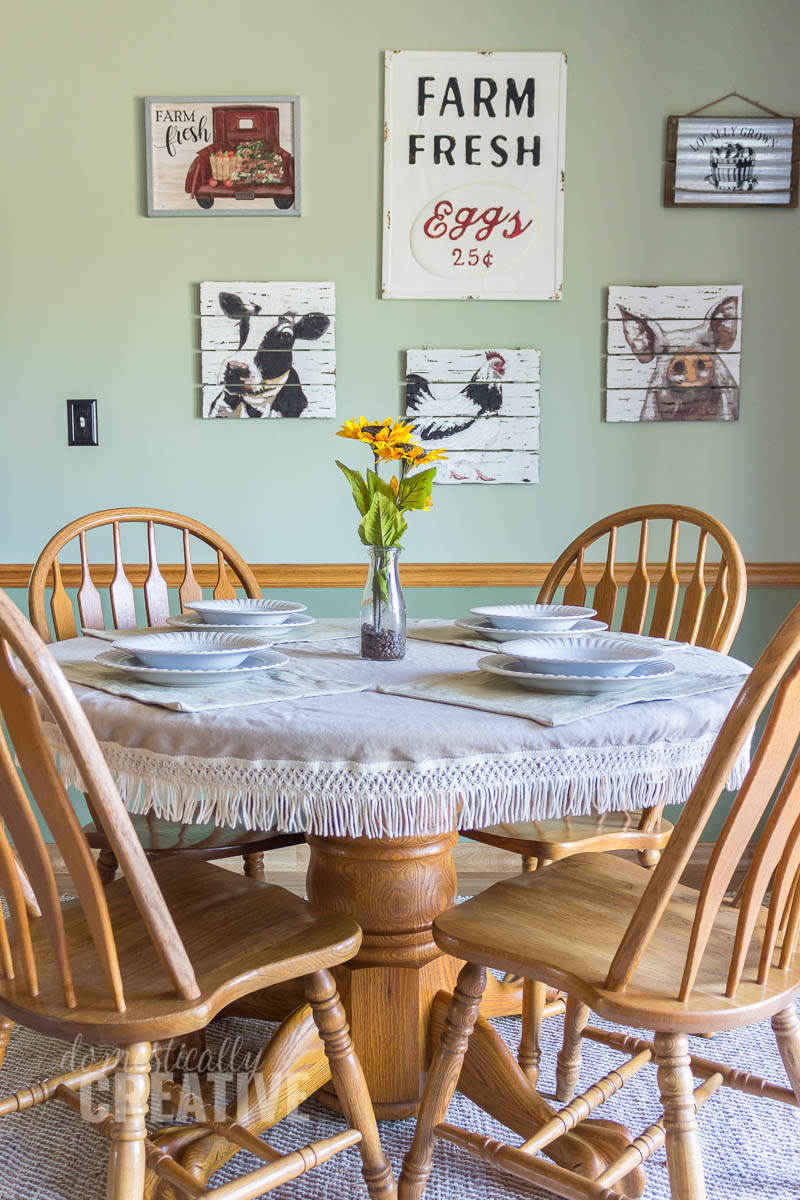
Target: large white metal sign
pixel 474 175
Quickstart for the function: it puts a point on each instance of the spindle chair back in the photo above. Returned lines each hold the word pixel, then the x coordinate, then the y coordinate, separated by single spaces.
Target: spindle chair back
pixel 25 664
pixel 714 594
pixel 771 791
pixel 232 572
pixel 159 837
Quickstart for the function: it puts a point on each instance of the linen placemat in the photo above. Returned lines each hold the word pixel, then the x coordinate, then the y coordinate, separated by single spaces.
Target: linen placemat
pixel 452 635
pixel 265 687
pixel 322 631
pixel 696 671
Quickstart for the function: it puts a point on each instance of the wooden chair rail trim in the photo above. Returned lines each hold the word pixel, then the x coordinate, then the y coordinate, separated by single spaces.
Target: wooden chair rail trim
pixel 434 574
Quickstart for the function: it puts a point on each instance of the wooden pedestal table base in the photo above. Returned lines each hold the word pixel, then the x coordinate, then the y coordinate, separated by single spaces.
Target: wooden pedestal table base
pixel 394 888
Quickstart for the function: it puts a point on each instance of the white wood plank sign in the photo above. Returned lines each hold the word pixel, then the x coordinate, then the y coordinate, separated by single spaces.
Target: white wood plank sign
pixel 268 350
pixel 674 353
pixel 474 175
pixel 481 407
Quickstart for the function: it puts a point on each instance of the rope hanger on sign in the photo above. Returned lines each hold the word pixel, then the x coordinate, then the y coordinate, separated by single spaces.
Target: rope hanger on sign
pixel 728 95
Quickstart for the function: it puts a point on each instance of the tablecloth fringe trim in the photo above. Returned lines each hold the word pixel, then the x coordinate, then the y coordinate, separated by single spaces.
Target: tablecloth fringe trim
pixel 401 799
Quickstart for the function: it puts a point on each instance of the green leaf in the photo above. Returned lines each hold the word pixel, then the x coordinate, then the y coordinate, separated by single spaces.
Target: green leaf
pixel 416 489
pixel 361 493
pixel 382 524
pixel 379 487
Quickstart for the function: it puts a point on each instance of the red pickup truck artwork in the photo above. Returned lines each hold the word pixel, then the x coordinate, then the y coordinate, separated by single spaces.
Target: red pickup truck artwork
pixel 245 161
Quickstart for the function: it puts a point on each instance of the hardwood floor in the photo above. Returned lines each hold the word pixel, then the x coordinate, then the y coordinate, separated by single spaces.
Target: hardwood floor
pixel 478 867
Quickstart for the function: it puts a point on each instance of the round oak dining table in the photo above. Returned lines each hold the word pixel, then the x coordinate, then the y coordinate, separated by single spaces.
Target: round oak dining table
pixel 380 784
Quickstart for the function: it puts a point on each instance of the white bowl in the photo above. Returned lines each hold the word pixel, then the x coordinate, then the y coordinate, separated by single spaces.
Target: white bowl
pixel 582 656
pixel 245 612
pixel 481 627
pixel 548 617
pixel 186 651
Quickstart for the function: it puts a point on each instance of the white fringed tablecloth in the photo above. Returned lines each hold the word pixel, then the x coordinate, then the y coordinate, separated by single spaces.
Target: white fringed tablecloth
pixel 367 764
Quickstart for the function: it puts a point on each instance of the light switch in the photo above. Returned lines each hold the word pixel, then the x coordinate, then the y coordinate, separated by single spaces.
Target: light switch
pixel 82 422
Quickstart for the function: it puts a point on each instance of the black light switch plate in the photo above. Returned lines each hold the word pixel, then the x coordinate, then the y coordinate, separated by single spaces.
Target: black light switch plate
pixel 82 422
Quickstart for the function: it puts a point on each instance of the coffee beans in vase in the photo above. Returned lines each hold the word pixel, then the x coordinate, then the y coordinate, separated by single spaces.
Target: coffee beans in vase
pixel 382 644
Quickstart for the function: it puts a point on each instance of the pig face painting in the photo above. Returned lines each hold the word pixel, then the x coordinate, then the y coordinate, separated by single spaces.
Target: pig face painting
pixel 690 380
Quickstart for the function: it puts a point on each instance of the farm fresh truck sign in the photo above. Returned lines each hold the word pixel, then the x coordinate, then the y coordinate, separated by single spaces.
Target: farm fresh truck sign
pixel 474 175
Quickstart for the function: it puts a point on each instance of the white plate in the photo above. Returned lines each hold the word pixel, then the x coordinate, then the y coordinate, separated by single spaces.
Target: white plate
pixel 481 625
pixel 185 651
pixel 551 617
pixel 246 612
pixel 576 685
pixel 557 655
pixel 195 621
pixel 120 660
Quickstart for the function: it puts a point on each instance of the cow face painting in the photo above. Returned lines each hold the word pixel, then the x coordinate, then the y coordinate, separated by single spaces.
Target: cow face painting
pixel 268 350
pixel 676 359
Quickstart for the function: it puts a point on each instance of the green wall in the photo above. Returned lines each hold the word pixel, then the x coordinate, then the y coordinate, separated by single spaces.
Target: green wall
pixel 99 299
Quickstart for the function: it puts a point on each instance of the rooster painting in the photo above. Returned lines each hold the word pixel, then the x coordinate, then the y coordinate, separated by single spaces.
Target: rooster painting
pixel 488 424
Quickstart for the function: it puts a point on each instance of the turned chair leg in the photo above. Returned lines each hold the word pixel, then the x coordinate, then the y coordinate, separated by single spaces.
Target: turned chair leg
pixel 786 1027
pixel 442 1079
pixel 675 1083
pixel 568 1067
pixel 107 866
pixel 349 1082
pixel 529 1055
pixel 5 1033
pixel 254 865
pixel 649 858
pixel 126 1162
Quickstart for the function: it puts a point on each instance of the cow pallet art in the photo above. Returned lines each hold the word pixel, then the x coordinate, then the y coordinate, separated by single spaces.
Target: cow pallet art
pixel 482 406
pixel 268 349
pixel 674 353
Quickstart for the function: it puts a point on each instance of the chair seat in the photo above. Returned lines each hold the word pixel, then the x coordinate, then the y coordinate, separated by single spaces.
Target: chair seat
pixel 570 835
pixel 241 935
pixel 562 924
pixel 200 841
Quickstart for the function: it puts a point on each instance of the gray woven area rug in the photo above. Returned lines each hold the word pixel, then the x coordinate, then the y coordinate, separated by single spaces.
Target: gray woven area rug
pixel 751 1146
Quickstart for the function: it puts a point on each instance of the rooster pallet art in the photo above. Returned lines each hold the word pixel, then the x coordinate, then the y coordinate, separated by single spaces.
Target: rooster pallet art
pixel 482 406
pixel 674 353
pixel 268 349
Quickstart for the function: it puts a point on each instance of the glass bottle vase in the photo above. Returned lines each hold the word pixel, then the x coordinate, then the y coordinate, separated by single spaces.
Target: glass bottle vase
pixel 383 607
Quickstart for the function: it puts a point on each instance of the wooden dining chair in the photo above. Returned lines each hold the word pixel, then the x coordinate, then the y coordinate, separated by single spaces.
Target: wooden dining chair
pixel 148 958
pixel 160 838
pixel 641 950
pixel 644 600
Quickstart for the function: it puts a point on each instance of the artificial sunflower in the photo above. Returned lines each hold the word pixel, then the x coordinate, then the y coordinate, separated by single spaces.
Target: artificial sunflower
pixel 383 501
pixel 365 431
pixel 418 457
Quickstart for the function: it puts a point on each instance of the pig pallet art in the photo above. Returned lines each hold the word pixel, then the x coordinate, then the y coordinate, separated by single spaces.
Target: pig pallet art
pixel 674 353
pixel 268 349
